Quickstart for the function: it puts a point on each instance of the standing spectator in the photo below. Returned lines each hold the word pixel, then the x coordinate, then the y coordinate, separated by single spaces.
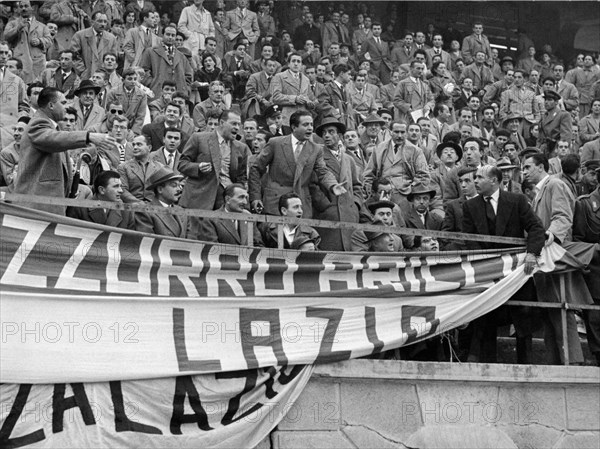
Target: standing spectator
pixel 164 62
pixel 166 186
pixel 63 77
pixel 109 65
pixel 107 187
pixel 439 122
pixel 44 167
pixel 453 210
pixel 336 100
pixel 93 43
pixel 70 18
pixel 266 23
pixel 157 129
pixel 404 54
pixel 476 42
pixel 480 74
pixel 529 63
pixel 52 50
pixel 436 50
pixel 308 31
pixel 196 24
pixel 137 6
pixel 212 105
pixel 326 204
pixel 31 38
pixel 589 127
pixel 138 39
pixel 334 31
pixel 136 172
pixel 566 90
pixel 291 162
pixel 413 95
pixel 238 66
pixel 583 78
pixel 132 98
pixel 555 125
pixel 472 155
pixel 266 55
pixel 493 92
pixel 89 112
pixel 375 50
pixel 157 107
pixel 13 92
pixel 258 97
pixel 241 22
pixel 519 100
pixel 221 34
pixel 363 102
pixel 418 216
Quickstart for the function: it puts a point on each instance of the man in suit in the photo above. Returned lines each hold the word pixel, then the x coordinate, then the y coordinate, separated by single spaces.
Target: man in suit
pixel 290 205
pixel 378 53
pixel 266 55
pixel 196 24
pixel 258 97
pixel 328 206
pixel 13 92
pixel 473 153
pixel 107 187
pixel 554 204
pixel 132 98
pixel 164 62
pixel 566 90
pixel 555 125
pixel 479 73
pixel 308 31
pixel 166 186
pixel 156 130
pixel 213 161
pixel 138 39
pixel 231 232
pixel 169 155
pixel 436 50
pixel 404 54
pixel 213 105
pixel 453 210
pixel 363 101
pixel 93 43
pixel 241 22
pixel 30 39
pixel 291 89
pixel 476 42
pixel 336 100
pixel 70 18
pixel 439 123
pixel 589 126
pixel 355 151
pixel 413 94
pixel 419 216
pixel 63 77
pixel 89 113
pixel 334 31
pixel 238 65
pixel 135 173
pixel 518 99
pixel 44 166
pixel 495 212
pixel 292 161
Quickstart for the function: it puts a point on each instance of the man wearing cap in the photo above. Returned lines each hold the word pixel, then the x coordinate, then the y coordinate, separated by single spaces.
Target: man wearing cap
pixel 274 121
pixel 418 216
pixel 89 113
pixel 107 187
pixel 496 212
pixel 292 161
pixel 294 236
pixel 328 206
pixel 555 125
pixel 512 123
pixel 507 168
pixel 399 160
pixel 166 186
pixel 588 182
pixel 379 241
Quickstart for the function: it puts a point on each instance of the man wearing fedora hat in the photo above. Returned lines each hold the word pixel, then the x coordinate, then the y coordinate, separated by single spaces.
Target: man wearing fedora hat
pixel 388 214
pixel 379 241
pixel 419 216
pixel 89 112
pixel 166 185
pixel 372 136
pixel 449 154
pixel 508 183
pixel 328 206
pixel 512 122
pixel 555 125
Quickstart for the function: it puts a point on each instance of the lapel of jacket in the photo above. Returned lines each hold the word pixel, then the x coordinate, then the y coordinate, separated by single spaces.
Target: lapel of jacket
pixel 233 160
pixel 91 39
pixel 288 153
pixel 538 196
pixel 414 219
pixel 230 227
pixel 160 51
pixel 137 171
pixel 114 218
pixel 503 213
pixel 332 163
pixel 215 152
pixel 302 159
pixel 97 215
pixel 170 221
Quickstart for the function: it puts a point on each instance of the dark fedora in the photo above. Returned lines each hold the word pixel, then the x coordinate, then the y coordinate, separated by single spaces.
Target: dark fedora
pixel 512 116
pixel 379 204
pixel 297 243
pixel 552 94
pixel 162 175
pixel 420 189
pixel 507 59
pixel 373 118
pixel 272 111
pixel 87 85
pixel 373 235
pixel 456 147
pixel 330 121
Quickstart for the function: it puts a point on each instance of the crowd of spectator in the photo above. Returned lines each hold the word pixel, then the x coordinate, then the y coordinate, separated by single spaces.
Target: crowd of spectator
pixel 315 110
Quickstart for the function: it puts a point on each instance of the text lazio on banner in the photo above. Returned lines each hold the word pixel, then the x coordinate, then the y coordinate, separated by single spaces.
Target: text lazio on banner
pixel 87 303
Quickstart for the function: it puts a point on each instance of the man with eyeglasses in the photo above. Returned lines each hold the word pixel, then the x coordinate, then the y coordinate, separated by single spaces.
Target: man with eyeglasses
pixel 213 104
pixel 113 110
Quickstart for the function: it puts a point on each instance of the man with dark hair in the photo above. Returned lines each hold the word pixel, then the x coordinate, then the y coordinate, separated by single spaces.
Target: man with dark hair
pixel 472 155
pixel 378 52
pixel 453 213
pixel 214 103
pixel 290 205
pixel 476 42
pixel 291 161
pixel 238 65
pixel 336 100
pixel 44 167
pixel 413 95
pixel 157 107
pixel 139 38
pixel 89 112
pixel 479 73
pixel 308 31
pixel 518 99
pixel 93 43
pixel 157 129
pixel 213 161
pixel 168 154
pixel 63 77
pixel 132 98
pixel 136 172
pixel 242 23
pixel 107 187
pixel 495 212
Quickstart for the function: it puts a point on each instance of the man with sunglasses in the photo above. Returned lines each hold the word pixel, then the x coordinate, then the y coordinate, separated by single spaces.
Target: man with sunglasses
pixel 132 99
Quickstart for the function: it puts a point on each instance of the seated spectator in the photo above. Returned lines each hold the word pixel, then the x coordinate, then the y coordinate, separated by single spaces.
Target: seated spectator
pixel 379 241
pixel 168 154
pixel 508 183
pixel 387 214
pixel 107 187
pixel 135 173
pixel 212 105
pixel 426 243
pixel 274 121
pixel 419 216
pixel 166 186
pixel 157 107
pixel 290 205
pixel 233 232
pixel 157 129
pixel 132 99
pixel 304 243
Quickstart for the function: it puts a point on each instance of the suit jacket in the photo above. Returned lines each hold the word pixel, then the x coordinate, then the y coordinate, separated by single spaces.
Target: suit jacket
pixel 235 25
pixel 156 132
pixel 438 129
pixel 409 97
pixel 590 151
pixel 226 231
pixel 84 42
pixel 513 217
pixel 33 58
pixel 269 231
pixel 555 125
pixel 54 78
pixel 200 191
pixel 134 106
pixel 116 218
pixel 334 103
pixel 386 95
pixel 402 55
pixel 284 89
pixel 156 64
pixel 432 221
pixel 167 225
pixel 44 169
pixel 554 205
pixel 65 15
pixel 520 101
pixel 202 110
pixel 135 43
pixel 380 53
pixel 304 33
pixel 363 103
pixel 445 58
pixel 588 128
pixel 471 45
pixel 14 100
pixel 95 117
pixel 135 180
pixel 159 157
pixel 285 174
pixel 569 94
pixel 329 34
pixel 481 79
pixel 9 161
pixel 453 217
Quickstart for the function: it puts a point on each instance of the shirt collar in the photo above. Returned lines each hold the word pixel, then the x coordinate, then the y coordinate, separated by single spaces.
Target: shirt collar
pixel 164 204
pixel 539 185
pixel 413 79
pixel 295 141
pixel 496 195
pixel 220 137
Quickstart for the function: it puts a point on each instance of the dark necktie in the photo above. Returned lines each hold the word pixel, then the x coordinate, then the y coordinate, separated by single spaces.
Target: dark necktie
pixel 98 39
pixel 490 215
pixel 312 87
pixel 396 148
pixel 339 33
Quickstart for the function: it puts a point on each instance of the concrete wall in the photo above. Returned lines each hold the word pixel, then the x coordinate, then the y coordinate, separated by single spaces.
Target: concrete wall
pixel 391 404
